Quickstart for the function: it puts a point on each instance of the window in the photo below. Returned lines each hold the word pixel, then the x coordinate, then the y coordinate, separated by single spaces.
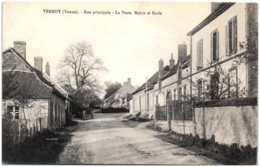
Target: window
pixel 180 94
pixel 140 105
pixel 200 54
pixel 156 99
pixel 174 94
pixel 232 83
pixel 133 104
pixel 184 91
pixel 147 101
pixel 231 36
pixel 13 111
pixel 16 110
pixel 214 46
pixel 214 82
pixel 199 82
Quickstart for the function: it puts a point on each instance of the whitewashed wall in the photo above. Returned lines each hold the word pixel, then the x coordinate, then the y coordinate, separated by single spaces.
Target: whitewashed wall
pixel 228 124
pixel 32 111
pixel 220 23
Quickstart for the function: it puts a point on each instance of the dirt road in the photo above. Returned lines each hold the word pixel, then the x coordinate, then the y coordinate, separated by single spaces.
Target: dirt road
pixel 108 140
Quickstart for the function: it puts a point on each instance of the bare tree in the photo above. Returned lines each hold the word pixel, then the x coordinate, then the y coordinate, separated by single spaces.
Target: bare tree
pixel 79 67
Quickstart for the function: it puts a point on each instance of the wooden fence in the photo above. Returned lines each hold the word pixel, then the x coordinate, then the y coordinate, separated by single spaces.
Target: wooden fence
pixel 16 131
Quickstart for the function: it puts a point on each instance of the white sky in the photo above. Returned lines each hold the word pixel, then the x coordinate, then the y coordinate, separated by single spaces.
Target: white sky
pixel 130 46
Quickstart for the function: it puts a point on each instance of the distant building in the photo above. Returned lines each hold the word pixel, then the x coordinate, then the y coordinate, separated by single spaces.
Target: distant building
pixel 120 98
pixel 31 95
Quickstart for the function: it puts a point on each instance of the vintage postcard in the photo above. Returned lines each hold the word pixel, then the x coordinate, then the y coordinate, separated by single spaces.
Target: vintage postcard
pixel 131 83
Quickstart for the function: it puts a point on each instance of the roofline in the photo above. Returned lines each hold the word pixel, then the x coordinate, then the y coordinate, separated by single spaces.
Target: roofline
pixel 138 89
pixel 35 71
pixel 210 18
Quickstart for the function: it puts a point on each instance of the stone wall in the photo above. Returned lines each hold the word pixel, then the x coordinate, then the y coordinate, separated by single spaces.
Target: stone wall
pixel 57 116
pixel 183 127
pixel 229 124
pixel 12 62
pixel 252 40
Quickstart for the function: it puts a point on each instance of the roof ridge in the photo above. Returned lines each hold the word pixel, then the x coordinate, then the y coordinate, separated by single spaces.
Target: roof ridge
pixel 211 17
pixel 38 73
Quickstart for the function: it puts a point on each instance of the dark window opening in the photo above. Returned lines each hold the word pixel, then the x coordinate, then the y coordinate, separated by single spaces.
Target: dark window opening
pixel 199 88
pixel 214 46
pixel 214 86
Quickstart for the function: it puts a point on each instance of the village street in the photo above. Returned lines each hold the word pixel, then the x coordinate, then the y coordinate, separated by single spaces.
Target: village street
pixel 108 140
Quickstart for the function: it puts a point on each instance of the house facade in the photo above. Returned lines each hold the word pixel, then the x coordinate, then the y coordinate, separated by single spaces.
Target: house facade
pixel 120 99
pixel 170 82
pixel 222 49
pixel 30 95
pixel 212 92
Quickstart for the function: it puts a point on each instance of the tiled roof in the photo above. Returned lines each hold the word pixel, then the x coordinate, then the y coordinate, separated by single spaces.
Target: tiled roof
pixel 56 86
pixel 152 80
pixel 47 80
pixel 26 85
pixel 171 72
pixel 184 62
pixel 124 90
pixel 222 8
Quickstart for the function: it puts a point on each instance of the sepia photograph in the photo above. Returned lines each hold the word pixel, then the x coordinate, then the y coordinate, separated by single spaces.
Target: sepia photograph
pixel 129 83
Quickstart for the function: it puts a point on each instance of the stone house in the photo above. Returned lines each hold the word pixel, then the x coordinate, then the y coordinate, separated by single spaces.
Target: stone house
pixel 29 94
pixel 223 56
pixel 221 40
pixel 169 81
pixel 120 98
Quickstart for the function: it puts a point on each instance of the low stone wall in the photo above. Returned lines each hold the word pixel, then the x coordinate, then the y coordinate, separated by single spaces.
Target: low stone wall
pixel 183 127
pixel 229 121
pixel 229 124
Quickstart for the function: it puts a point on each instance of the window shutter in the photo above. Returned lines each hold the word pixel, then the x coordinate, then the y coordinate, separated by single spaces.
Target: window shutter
pixel 201 53
pixel 211 47
pixel 235 34
pixel 227 41
pixel 198 53
pixel 217 34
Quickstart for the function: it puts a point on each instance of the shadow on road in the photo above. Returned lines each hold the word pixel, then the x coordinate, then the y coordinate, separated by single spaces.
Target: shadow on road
pixel 41 149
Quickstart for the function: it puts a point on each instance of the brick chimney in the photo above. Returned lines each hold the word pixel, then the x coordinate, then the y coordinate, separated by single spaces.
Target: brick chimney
pixel 160 67
pixel 20 47
pixel 182 51
pixel 48 69
pixel 214 6
pixel 172 61
pixel 128 82
pixel 38 63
